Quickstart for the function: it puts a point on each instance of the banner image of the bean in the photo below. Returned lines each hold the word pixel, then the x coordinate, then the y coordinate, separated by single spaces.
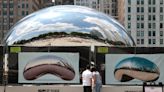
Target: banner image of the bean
pixel 44 67
pixel 133 68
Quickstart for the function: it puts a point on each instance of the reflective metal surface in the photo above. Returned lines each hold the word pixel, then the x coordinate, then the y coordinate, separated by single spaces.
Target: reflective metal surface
pixel 136 68
pixel 68 25
pixel 48 64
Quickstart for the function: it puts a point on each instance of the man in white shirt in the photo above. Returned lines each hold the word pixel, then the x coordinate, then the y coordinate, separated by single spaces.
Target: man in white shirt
pixel 87 79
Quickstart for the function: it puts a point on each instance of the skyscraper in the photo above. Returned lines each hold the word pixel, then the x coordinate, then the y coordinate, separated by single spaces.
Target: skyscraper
pixel 144 20
pixel 108 7
pixel 13 10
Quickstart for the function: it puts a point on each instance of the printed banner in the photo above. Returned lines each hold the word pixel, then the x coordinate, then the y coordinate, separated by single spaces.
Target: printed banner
pixel 134 68
pixel 45 67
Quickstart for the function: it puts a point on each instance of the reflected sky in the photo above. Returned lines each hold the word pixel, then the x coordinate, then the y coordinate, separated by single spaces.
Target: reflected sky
pixel 85 22
pixel 136 68
pixel 138 63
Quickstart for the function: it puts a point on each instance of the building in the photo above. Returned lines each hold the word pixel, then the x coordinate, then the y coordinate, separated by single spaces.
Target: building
pixel 13 10
pixel 64 2
pixel 46 3
pixel 108 7
pixel 144 20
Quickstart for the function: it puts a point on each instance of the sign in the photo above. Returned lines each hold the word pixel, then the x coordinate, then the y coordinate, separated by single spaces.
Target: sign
pixel 15 49
pixel 48 90
pixel 102 49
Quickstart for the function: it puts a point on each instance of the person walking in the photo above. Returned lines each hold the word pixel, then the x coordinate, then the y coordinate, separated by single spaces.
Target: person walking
pixel 87 79
pixel 97 81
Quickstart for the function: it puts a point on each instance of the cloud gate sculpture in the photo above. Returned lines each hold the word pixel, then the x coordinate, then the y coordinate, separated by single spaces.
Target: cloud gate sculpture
pixel 66 26
pixel 48 64
pixel 136 68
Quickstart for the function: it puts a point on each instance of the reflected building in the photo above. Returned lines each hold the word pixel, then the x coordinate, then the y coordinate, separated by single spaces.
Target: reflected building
pixel 66 26
pixel 63 2
pixel 46 3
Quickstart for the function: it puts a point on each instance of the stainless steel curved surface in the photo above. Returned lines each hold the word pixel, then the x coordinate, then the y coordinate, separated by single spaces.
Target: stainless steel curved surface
pixel 136 68
pixel 68 25
pixel 48 64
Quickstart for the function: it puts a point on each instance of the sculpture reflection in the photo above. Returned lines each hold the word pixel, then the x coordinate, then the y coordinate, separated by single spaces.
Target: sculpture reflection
pixel 48 64
pixel 68 25
pixel 136 68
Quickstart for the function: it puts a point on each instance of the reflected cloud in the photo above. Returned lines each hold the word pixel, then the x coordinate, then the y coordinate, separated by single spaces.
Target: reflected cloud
pixel 59 27
pixel 50 15
pixel 27 27
pixel 97 32
pixel 136 68
pixel 69 21
pixel 108 28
